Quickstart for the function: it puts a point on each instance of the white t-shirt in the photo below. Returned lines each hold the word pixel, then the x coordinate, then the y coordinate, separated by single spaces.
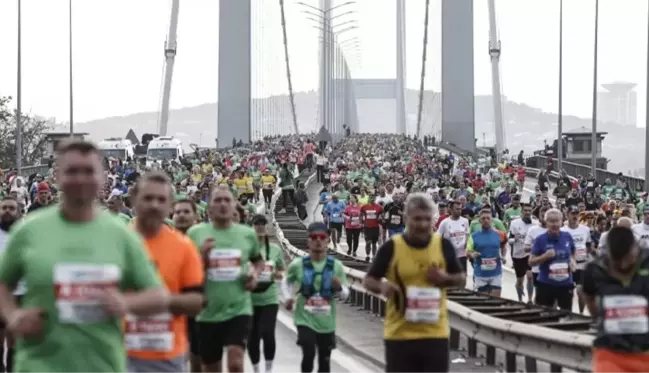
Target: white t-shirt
pixel 457 232
pixel 581 237
pixel 4 237
pixel 641 232
pixel 321 160
pixel 385 200
pixel 21 193
pixel 532 235
pixel 519 229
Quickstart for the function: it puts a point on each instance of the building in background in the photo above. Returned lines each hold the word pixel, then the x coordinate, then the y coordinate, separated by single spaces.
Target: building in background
pixel 619 104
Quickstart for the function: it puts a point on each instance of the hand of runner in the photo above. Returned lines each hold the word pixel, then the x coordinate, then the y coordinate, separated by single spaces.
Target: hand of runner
pixel 437 276
pixel 388 289
pixel 114 302
pixel 208 245
pixel 250 281
pixel 550 253
pixel 336 283
pixel 26 322
pixel 289 304
pixel 475 254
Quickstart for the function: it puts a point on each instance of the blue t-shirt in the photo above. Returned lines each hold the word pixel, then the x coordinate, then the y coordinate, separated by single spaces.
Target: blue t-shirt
pixel 334 211
pixel 323 197
pixel 555 271
pixel 487 243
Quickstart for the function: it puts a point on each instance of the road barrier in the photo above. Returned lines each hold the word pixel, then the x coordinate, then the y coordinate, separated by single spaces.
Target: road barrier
pixel 559 338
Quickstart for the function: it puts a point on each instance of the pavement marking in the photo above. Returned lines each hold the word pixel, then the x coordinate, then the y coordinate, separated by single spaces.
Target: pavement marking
pixel 340 358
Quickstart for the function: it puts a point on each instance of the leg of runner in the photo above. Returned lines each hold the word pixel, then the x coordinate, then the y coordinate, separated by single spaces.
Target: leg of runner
pixel 254 340
pixel 350 240
pixel 312 343
pixel 521 268
pixel 356 235
pixel 530 286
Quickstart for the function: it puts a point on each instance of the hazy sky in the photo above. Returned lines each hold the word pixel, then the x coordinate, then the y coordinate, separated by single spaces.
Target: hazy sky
pixel 118 51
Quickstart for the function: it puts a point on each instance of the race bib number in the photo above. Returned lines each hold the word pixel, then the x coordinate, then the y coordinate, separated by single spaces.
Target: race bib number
pixel 268 186
pixel 335 215
pixel 590 184
pixel 153 333
pixel 224 265
pixel 581 254
pixel 77 288
pixel 370 214
pixel 423 305
pixel 267 274
pixel 488 264
pixel 318 306
pixel 355 221
pixel 395 219
pixel 559 271
pixel 625 314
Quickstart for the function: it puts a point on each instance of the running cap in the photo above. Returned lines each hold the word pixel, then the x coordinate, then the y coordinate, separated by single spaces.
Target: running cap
pixel 317 227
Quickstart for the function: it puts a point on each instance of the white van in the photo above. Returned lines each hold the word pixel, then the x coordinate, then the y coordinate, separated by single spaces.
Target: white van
pixel 164 148
pixel 117 148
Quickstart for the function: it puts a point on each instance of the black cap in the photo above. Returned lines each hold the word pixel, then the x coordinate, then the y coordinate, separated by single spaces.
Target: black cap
pixel 573 209
pixel 318 227
pixel 259 219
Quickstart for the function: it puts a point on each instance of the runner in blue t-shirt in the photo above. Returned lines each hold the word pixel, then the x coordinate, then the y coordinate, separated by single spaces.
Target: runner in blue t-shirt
pixel 333 214
pixel 554 253
pixel 487 249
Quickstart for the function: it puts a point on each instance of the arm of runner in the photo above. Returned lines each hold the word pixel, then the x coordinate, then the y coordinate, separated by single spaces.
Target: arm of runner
pixel 190 300
pixel 150 296
pixel 11 271
pixel 374 280
pixel 456 276
pixel 341 278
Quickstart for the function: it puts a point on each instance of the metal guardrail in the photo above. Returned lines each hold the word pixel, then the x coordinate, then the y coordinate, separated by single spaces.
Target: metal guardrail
pixel 497 323
pixel 30 170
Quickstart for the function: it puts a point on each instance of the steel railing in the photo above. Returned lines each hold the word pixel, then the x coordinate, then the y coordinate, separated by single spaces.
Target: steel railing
pixel 559 348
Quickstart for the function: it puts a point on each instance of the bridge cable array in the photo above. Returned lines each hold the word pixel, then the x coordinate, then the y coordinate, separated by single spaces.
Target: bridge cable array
pixel 288 68
pixel 424 52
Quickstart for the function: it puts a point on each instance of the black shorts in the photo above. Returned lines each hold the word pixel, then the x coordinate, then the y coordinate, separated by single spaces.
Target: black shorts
pixel 521 266
pixel 309 337
pixel 336 226
pixel 417 355
pixel 192 336
pixel 535 276
pixel 462 261
pixel 372 234
pixel 549 295
pixel 577 276
pixel 215 336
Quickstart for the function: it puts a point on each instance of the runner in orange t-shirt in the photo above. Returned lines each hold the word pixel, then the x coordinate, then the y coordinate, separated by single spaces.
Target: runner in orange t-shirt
pixel 159 343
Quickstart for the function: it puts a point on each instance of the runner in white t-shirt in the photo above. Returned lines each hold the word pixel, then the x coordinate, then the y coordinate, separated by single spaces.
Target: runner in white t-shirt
pixel 456 229
pixel 583 242
pixel 518 230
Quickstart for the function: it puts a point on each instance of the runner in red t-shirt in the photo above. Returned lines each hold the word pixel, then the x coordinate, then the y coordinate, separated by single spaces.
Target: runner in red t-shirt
pixel 370 215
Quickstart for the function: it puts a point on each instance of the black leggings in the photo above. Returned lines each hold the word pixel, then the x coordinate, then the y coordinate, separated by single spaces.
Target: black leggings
pixel 312 342
pixel 353 235
pixel 263 329
pixel 286 194
pixel 268 195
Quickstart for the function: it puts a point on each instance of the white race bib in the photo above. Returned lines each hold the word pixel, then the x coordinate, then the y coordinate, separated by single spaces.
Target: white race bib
pixel 268 272
pixel 77 287
pixel 335 215
pixel 581 254
pixel 153 333
pixel 224 265
pixel 625 314
pixel 268 186
pixel 355 220
pixel 370 214
pixel 318 306
pixel 488 264
pixel 423 305
pixel 395 219
pixel 559 271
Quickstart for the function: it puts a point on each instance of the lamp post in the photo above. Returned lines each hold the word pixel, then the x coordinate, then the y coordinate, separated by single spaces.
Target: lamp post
pixel 646 130
pixel 593 146
pixel 70 61
pixel 19 125
pixel 560 108
pixel 323 17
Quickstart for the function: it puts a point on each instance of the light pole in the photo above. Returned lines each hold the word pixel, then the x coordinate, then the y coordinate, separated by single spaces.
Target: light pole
pixel 19 124
pixel 324 18
pixel 560 109
pixel 71 80
pixel 593 139
pixel 646 130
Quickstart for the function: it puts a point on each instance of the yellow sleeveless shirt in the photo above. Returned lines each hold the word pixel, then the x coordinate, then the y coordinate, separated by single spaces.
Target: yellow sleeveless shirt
pixel 419 311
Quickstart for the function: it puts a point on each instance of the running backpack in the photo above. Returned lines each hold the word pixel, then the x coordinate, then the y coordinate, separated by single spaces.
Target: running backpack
pixel 308 276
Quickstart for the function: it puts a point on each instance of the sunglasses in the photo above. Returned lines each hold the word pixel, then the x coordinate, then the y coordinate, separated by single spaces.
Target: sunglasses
pixel 318 236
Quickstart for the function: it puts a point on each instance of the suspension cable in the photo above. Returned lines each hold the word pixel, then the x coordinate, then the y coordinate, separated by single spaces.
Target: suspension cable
pixel 423 69
pixel 288 68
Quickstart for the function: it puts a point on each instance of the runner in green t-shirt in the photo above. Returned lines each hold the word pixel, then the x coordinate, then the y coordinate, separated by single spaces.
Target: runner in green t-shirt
pixel 315 307
pixel 227 249
pixel 265 299
pixel 75 260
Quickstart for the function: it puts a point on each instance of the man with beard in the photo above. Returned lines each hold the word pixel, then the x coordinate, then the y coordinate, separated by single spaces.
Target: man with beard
pixel 184 217
pixel 8 216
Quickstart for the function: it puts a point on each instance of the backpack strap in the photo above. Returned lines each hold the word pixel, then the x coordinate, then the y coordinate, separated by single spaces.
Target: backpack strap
pixel 327 278
pixel 308 274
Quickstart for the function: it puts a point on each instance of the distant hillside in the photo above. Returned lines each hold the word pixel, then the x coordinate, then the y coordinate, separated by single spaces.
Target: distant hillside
pixel 526 127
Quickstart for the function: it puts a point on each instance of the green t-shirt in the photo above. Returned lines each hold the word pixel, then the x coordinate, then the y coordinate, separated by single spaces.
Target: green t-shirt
pixel 274 263
pixel 343 195
pixel 320 321
pixel 511 214
pixel 495 222
pixel 61 262
pixel 123 217
pixel 228 265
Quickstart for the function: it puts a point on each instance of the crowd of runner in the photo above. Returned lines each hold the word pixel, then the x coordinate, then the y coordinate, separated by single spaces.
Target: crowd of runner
pixel 168 268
